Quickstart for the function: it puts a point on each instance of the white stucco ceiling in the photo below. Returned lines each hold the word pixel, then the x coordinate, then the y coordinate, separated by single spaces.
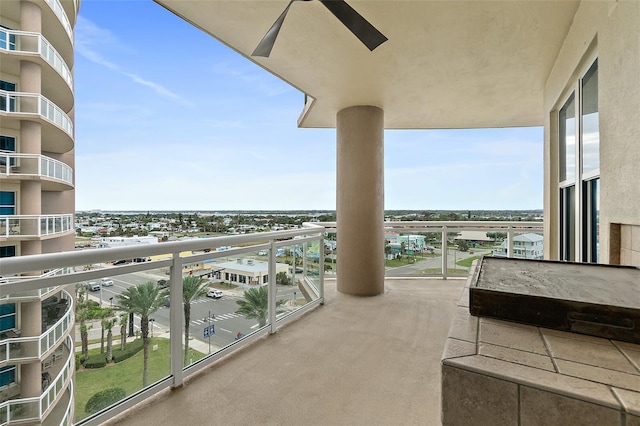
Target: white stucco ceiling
pixel 447 64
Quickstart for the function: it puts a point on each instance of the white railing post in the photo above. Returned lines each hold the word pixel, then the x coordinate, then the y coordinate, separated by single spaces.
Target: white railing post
pixel 510 241
pixel 176 320
pixel 321 252
pixel 272 287
pixel 444 252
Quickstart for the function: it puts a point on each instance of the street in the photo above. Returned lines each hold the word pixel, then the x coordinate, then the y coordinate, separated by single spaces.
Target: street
pixel 220 313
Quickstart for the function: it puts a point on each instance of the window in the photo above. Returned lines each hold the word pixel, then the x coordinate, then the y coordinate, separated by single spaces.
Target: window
pixel 7 102
pixel 7 251
pixel 243 279
pixel 7 146
pixel 7 203
pixel 7 40
pixel 7 375
pixel 579 170
pixel 7 316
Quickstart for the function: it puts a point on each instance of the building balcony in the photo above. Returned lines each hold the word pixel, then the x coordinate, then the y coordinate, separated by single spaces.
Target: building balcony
pixel 339 360
pixel 17 46
pixel 57 323
pixel 54 175
pixel 55 24
pixel 57 127
pixel 35 226
pixel 55 402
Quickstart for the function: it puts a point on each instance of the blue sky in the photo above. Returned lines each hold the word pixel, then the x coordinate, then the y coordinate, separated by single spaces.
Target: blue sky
pixel 167 118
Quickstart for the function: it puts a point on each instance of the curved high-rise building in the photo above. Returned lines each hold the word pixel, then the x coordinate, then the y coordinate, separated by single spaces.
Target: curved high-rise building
pixel 37 204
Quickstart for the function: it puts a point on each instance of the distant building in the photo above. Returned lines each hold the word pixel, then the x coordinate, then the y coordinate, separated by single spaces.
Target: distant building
pixel 125 241
pixel 525 246
pixel 247 272
pixel 474 237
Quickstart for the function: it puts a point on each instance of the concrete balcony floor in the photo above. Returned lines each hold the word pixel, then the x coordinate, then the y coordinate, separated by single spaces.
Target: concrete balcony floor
pixel 353 361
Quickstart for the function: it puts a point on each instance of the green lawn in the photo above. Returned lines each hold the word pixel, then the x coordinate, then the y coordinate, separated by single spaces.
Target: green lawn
pixel 126 374
pixel 467 262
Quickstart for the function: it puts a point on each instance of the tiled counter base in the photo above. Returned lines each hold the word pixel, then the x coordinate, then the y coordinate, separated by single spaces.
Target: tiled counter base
pixel 503 373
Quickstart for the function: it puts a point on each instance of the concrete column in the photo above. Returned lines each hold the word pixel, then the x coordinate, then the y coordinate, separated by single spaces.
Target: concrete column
pixel 30 326
pixel 360 200
pixel 30 17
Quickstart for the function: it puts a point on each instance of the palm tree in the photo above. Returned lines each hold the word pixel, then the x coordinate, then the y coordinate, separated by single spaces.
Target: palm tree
pixel 81 317
pixel 255 305
pixel 143 300
pixel 193 288
pixel 103 314
pixel 124 318
pixel 108 324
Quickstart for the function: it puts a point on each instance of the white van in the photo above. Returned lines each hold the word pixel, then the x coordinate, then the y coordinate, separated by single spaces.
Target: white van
pixel 93 286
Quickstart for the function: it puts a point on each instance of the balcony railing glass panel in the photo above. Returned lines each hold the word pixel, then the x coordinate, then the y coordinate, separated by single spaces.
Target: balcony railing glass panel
pixel 35 226
pixel 22 41
pixel 34 165
pixel 62 16
pixel 30 103
pixel 173 262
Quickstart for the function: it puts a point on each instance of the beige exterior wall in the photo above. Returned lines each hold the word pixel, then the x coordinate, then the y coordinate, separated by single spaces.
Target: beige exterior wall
pixel 36 194
pixel 610 31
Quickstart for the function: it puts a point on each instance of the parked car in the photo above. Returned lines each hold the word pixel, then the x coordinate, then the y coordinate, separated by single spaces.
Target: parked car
pixel 107 282
pixel 216 294
pixel 120 262
pixel 93 286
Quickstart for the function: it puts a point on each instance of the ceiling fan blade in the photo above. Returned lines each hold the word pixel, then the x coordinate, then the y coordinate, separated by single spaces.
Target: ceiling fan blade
pixel 360 27
pixel 269 39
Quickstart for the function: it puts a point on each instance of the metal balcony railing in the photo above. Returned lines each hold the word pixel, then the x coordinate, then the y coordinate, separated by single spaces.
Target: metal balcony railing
pixel 447 231
pixel 33 348
pixel 62 17
pixel 35 104
pixel 178 258
pixel 33 409
pixel 30 42
pixel 185 257
pixel 35 225
pixel 35 165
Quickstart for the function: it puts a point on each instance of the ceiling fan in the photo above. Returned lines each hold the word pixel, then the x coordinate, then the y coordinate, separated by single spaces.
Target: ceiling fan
pixel 351 19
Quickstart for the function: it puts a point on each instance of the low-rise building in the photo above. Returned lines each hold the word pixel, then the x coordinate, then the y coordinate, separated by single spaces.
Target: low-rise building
pixel 525 246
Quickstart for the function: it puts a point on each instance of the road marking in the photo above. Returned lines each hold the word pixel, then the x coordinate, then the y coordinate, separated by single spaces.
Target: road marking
pixel 224 329
pixel 255 326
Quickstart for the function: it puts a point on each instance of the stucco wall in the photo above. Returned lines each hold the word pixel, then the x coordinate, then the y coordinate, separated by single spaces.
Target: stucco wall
pixel 611 30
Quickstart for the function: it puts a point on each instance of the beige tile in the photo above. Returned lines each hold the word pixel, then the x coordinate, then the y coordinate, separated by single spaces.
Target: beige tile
pixel 464 326
pixel 625 236
pixel 575 336
pixel 630 400
pixel 625 256
pixel 635 238
pixel 635 258
pixel 536 378
pixel 473 399
pixel 454 348
pixel 545 408
pixel 596 354
pixel 632 420
pixel 519 357
pixel 631 351
pixel 627 345
pixel 464 298
pixel 524 338
pixel 599 375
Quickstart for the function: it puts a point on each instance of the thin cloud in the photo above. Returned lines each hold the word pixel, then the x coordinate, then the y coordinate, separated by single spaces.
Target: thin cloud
pixel 89 37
